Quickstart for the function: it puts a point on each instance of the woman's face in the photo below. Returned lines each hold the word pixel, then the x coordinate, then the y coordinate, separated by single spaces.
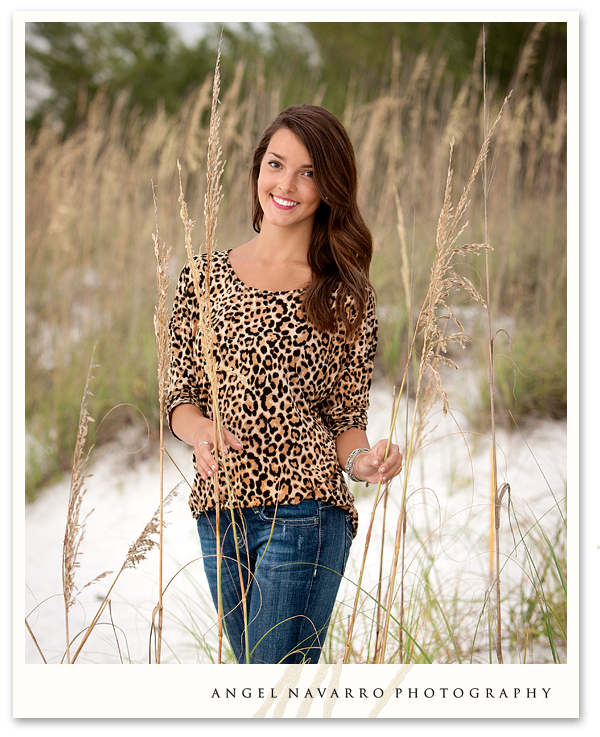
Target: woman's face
pixel 286 187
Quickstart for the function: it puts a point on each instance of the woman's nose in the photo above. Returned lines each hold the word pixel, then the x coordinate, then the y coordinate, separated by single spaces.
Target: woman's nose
pixel 286 183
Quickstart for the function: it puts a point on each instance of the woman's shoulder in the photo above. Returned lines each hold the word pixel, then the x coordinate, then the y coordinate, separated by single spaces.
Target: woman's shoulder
pixel 218 259
pixel 353 310
pixel 369 301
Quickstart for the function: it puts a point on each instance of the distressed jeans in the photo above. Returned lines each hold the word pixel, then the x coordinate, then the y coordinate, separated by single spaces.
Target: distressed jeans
pixel 292 558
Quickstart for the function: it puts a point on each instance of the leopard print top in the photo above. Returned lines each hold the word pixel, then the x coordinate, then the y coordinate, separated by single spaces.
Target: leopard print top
pixel 286 390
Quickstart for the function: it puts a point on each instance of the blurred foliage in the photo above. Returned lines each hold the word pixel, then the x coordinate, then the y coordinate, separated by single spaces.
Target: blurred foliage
pixel 70 62
pixel 133 100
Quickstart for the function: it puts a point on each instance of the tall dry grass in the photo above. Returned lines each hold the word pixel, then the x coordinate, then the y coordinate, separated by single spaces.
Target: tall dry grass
pixel 75 533
pixel 163 353
pixel 75 526
pixel 82 248
pixel 212 203
pixel 89 274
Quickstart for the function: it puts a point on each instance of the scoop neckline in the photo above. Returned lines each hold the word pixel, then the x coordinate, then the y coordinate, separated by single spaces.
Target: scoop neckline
pixel 256 289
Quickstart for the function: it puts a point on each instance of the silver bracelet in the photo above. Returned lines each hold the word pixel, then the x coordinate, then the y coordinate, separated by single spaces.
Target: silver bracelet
pixel 351 461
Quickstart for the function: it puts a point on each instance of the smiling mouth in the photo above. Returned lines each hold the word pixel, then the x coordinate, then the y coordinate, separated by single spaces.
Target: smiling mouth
pixel 287 204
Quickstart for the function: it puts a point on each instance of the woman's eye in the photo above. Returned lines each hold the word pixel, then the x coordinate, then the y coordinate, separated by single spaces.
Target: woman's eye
pixel 274 164
pixel 309 174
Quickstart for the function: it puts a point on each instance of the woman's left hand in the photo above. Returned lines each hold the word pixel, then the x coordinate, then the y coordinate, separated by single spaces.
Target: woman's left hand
pixel 373 468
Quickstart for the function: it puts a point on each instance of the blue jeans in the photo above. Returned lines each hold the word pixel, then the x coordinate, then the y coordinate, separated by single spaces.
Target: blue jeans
pixel 292 560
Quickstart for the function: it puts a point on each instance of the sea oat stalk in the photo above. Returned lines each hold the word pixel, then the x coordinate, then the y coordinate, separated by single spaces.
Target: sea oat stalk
pixel 444 279
pixel 382 549
pixel 136 553
pixel 163 350
pixel 75 529
pixel 212 202
pixel 379 495
pixel 495 491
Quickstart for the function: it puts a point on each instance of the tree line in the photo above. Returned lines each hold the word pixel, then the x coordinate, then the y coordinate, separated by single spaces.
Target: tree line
pixel 68 63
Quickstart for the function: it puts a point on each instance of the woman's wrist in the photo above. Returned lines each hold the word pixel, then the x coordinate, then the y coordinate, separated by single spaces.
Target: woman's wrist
pixel 191 425
pixel 202 424
pixel 351 464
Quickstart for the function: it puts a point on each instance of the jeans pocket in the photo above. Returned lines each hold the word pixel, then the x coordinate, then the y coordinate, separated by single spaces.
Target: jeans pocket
pixel 301 515
pixel 207 530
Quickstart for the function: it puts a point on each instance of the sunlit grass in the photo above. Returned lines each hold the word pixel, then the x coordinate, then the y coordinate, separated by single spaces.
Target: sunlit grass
pixel 436 599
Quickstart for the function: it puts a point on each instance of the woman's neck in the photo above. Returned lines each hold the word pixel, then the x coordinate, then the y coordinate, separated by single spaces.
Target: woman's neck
pixel 281 245
pixel 272 263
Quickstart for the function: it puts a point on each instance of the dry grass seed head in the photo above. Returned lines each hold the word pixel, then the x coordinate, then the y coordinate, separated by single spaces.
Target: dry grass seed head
pixel 161 315
pixel 215 167
pixel 139 549
pixel 75 528
pixel 443 278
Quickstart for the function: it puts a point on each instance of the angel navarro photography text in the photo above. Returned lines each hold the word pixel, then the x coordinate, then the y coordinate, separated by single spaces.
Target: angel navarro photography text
pixel 477 692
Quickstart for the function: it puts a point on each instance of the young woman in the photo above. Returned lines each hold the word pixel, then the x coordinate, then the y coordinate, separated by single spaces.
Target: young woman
pixel 293 317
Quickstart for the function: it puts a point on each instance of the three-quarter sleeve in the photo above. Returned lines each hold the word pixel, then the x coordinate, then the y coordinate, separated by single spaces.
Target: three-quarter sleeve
pixel 185 370
pixel 347 404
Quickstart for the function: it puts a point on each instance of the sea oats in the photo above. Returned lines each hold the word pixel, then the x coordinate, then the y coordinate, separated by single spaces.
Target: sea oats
pixel 138 550
pixel 161 315
pixel 211 364
pixel 75 528
pixel 442 281
pixel 163 350
pixel 136 553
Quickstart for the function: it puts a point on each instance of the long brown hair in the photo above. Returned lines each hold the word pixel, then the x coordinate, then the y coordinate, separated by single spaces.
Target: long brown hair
pixel 341 246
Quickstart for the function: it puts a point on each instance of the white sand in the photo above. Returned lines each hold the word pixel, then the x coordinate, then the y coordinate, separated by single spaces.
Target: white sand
pixel 449 505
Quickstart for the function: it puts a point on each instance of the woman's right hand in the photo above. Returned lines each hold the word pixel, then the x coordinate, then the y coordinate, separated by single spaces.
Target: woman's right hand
pixel 204 448
pixel 190 425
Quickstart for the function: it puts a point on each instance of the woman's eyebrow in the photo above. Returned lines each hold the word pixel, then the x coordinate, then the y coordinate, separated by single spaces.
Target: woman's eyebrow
pixel 282 158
